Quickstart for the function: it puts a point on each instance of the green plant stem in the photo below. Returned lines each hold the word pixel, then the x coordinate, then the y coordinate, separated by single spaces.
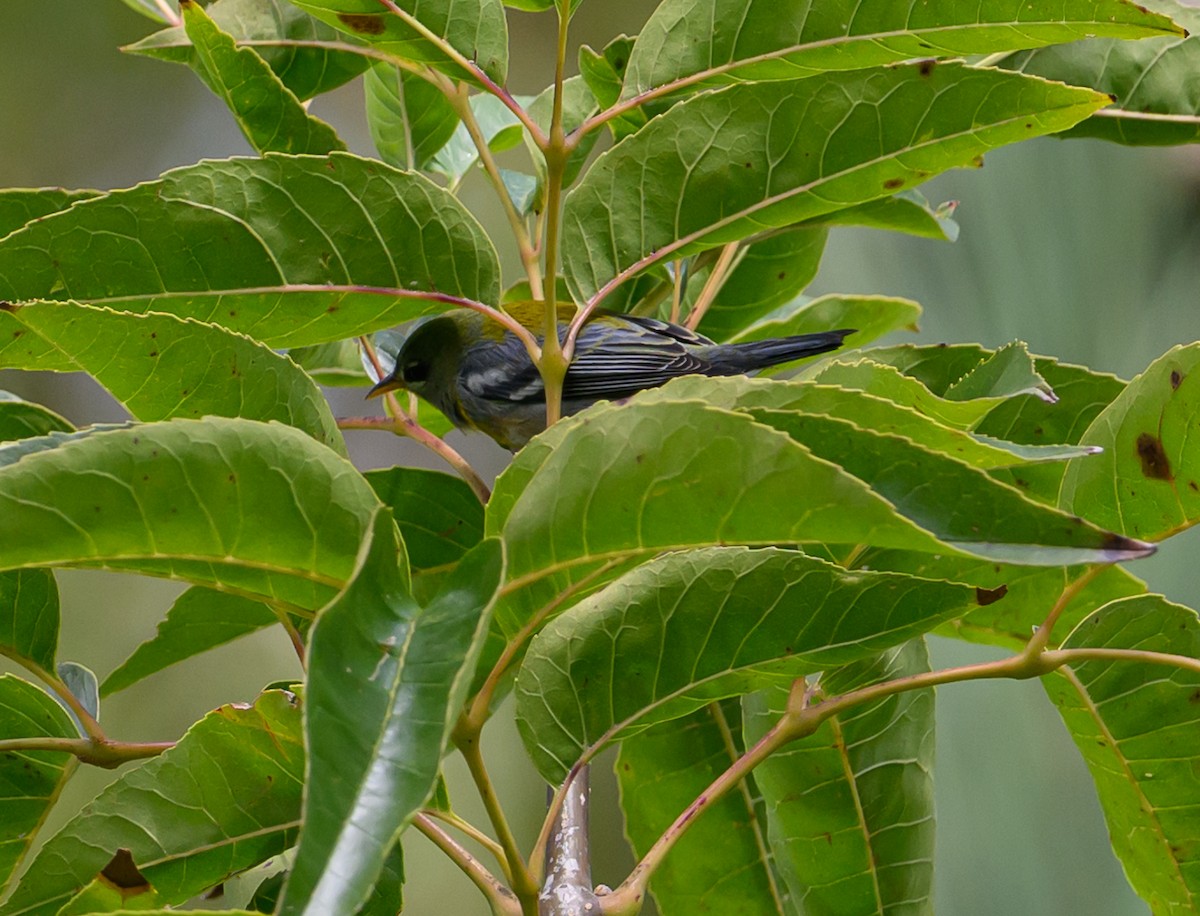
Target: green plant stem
pixel 555 358
pixel 449 817
pixel 98 752
pixel 716 279
pixel 804 717
pixel 293 634
pixel 529 257
pixel 1041 637
pixel 500 898
pixel 479 708
pixel 469 66
pixel 523 884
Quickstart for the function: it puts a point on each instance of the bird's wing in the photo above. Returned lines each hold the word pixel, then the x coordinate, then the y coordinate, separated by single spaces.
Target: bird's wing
pixel 613 359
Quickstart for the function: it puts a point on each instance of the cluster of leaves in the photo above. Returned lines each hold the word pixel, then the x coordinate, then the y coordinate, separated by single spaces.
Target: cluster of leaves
pixel 721 575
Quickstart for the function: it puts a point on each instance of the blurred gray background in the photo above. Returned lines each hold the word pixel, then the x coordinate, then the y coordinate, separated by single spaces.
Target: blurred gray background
pixel 1088 252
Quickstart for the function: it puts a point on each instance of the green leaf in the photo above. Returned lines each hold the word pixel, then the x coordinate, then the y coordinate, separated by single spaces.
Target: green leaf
pixel 438 515
pixel 850 807
pixel 335 364
pixel 229 793
pixel 1147 482
pixel 251 507
pixel 29 780
pixel 873 316
pixel 1150 81
pixel 866 411
pixel 161 367
pixel 1029 593
pixel 604 72
pixel 294 44
pixel 908 212
pixel 387 897
pixel 1007 373
pixel 291 250
pixel 578 104
pixel 426 31
pixel 501 131
pixel 20 419
pixel 694 627
pixel 19 206
pixel 29 617
pixel 1138 728
pixel 720 40
pixel 771 273
pixel 118 888
pixel 410 119
pixel 718 865
pixel 199 620
pixel 985 517
pixel 729 164
pixel 376 742
pixel 270 116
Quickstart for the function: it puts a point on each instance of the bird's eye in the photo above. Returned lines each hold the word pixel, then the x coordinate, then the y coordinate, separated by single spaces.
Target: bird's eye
pixel 416 371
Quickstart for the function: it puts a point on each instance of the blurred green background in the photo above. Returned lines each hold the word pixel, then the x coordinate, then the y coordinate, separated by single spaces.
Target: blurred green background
pixel 1087 251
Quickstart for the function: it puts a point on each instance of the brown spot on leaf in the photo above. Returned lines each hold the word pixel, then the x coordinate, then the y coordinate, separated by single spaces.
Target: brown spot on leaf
pixel 363 23
pixel 1194 696
pixel 1192 484
pixel 986 596
pixel 1176 378
pixel 1155 464
pixel 7 307
pixel 925 67
pixel 892 183
pixel 123 874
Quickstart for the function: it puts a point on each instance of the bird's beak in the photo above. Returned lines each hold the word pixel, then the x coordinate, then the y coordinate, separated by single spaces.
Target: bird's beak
pixel 388 384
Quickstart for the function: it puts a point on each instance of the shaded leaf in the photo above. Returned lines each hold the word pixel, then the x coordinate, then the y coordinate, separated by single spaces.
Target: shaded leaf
pixel 500 129
pixel 252 507
pixel 578 105
pixel 230 791
pixel 376 742
pixel 270 116
pixel 766 39
pixel 771 273
pixel 20 419
pixel 29 617
pixel 698 626
pixel 292 250
pixel 728 164
pixel 410 119
pixel 604 72
pixel 334 364
pixel 199 620
pixel 1147 482
pixel 475 29
pixel 438 515
pixel 1138 728
pixel 908 212
pixel 1150 81
pixel 29 780
pixel 718 865
pixel 161 367
pixel 81 681
pixel 119 887
pixel 286 38
pixel 873 316
pixel 850 807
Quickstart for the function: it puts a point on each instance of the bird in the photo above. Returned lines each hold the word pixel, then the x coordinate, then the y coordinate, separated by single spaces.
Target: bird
pixel 480 375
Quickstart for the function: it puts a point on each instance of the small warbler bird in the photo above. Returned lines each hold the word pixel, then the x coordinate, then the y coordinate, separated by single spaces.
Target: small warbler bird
pixel 481 376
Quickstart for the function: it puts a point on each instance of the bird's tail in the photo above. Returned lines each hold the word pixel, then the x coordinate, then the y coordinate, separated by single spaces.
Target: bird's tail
pixel 759 354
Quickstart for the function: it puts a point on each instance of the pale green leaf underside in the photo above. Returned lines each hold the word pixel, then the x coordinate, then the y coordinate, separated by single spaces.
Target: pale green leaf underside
pixel 29 617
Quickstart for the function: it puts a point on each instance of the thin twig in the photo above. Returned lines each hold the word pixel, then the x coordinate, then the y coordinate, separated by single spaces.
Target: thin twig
pixel 106 754
pixel 501 899
pixel 712 286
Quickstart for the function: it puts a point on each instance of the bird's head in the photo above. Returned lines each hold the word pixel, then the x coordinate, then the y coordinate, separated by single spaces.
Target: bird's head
pixel 427 361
